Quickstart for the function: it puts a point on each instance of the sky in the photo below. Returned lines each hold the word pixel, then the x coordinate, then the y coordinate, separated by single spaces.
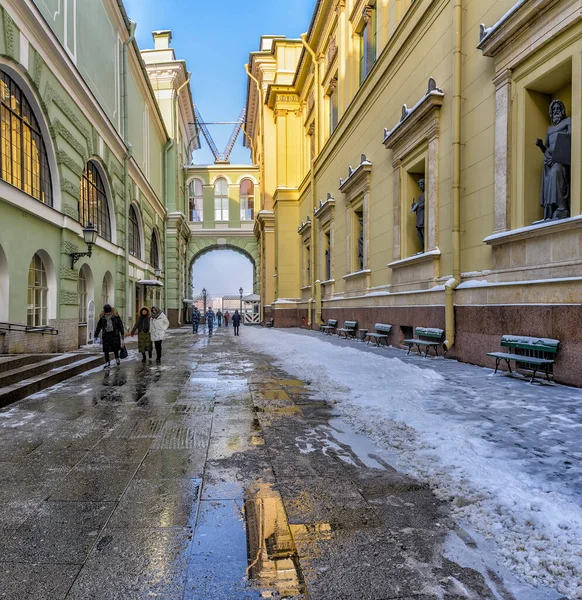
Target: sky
pixel 215 38
pixel 222 273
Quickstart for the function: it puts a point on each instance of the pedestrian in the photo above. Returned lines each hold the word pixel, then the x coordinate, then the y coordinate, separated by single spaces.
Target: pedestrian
pixel 219 317
pixel 144 336
pixel 210 319
pixel 158 325
pixel 112 338
pixel 236 321
pixel 226 318
pixel 195 319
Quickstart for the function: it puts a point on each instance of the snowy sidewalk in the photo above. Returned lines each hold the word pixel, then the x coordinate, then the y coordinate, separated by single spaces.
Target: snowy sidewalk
pixel 505 453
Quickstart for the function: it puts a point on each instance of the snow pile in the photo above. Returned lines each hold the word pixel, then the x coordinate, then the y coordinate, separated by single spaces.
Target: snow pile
pixel 537 527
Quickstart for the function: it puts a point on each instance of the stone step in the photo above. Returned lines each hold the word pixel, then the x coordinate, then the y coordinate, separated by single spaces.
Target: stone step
pixel 26 387
pixel 47 363
pixel 15 361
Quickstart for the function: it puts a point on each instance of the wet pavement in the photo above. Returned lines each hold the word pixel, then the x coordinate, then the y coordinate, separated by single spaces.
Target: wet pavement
pixel 215 476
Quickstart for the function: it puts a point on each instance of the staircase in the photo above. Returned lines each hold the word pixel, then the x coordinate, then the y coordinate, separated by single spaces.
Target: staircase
pixel 26 374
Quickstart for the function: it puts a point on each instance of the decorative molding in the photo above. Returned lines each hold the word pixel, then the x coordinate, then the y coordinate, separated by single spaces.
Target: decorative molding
pixel 9 34
pixel 416 123
pixel 64 159
pixel 416 259
pixel 533 231
pixel 324 212
pixel 38 68
pixel 59 129
pixel 305 227
pixel 70 274
pixel 358 179
pixel 69 298
pixel 70 187
pixel 68 247
pixel 70 211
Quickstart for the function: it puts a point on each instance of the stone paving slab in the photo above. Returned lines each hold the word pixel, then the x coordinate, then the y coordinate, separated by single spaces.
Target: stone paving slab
pixel 215 476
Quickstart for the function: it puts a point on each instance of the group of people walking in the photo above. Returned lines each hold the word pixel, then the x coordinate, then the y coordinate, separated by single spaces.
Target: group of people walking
pixel 151 327
pixel 217 316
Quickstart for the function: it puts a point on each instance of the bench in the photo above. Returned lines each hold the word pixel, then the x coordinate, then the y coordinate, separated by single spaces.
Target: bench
pixel 330 327
pixel 348 330
pixel 530 353
pixel 434 340
pixel 270 322
pixel 380 334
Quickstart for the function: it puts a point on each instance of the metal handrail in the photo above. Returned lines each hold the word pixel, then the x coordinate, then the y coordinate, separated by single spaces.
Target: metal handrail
pixel 42 329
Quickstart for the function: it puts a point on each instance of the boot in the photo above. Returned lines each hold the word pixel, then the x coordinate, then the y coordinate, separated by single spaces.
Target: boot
pixel 144 357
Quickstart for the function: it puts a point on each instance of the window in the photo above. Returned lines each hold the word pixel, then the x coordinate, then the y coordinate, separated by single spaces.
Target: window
pixel 82 292
pixel 221 200
pixel 368 43
pixel 196 201
pixel 105 297
pixel 134 237
pixel 24 162
pixel 247 200
pixel 155 251
pixel 333 106
pixel 93 206
pixel 327 247
pixel 37 293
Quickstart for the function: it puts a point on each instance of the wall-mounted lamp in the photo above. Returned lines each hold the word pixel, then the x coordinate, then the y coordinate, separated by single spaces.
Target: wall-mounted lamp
pixel 90 236
pixel 157 272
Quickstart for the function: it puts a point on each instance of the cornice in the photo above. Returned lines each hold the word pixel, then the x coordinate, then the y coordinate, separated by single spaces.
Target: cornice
pixel 326 209
pixel 358 179
pixel 305 227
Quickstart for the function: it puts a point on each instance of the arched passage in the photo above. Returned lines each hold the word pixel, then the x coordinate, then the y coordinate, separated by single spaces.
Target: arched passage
pixel 4 289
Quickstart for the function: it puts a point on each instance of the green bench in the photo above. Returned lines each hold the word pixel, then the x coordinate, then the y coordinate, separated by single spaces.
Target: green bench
pixel 380 335
pixel 330 327
pixel 529 353
pixel 427 338
pixel 348 330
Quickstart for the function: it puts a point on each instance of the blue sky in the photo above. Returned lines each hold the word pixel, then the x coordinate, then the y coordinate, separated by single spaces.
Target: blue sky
pixel 222 273
pixel 215 38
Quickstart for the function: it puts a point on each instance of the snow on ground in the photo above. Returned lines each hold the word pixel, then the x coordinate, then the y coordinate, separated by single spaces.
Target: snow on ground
pixel 536 524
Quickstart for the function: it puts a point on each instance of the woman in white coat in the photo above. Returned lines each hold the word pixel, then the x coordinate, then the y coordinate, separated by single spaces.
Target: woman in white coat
pixel 158 325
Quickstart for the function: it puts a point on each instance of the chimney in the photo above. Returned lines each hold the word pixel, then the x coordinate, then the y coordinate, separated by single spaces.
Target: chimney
pixel 162 39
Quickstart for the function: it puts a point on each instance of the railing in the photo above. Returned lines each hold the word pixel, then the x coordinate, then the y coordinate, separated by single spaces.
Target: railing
pixel 251 318
pixel 42 329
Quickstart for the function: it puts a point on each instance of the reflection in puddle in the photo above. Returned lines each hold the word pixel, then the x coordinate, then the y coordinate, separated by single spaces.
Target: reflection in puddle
pixel 273 560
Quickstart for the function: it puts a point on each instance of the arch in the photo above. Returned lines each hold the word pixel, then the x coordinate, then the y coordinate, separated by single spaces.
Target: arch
pixel 16 73
pixel 85 274
pixel 96 162
pixel 155 258
pixel 220 176
pixel 107 292
pixel 248 176
pixel 4 286
pixel 51 284
pixel 139 245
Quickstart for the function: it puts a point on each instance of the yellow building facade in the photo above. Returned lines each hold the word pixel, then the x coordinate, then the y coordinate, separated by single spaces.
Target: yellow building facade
pixel 345 122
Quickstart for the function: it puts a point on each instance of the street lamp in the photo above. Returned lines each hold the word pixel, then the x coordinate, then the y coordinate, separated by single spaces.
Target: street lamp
pixel 204 294
pixel 240 291
pixel 157 272
pixel 90 236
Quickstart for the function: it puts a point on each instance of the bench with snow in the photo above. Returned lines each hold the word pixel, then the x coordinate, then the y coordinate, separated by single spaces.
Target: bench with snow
pixel 270 322
pixel 330 327
pixel 348 330
pixel 529 353
pixel 435 339
pixel 380 335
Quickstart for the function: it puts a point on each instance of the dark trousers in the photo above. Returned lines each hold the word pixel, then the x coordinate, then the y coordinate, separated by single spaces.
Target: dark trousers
pixel 158 346
pixel 236 328
pixel 195 327
pixel 115 353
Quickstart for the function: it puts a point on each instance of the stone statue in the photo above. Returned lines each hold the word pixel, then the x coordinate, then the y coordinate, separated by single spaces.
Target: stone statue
pixel 328 264
pixel 555 192
pixel 361 243
pixel 418 208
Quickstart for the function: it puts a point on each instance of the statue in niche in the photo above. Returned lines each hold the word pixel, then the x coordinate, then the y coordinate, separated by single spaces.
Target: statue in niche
pixel 555 192
pixel 418 208
pixel 328 263
pixel 361 243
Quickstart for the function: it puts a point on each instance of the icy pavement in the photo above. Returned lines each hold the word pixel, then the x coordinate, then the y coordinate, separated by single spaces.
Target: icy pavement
pixel 504 453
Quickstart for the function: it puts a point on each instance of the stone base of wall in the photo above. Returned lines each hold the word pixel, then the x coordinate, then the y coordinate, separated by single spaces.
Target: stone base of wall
pixel 174 317
pixel 21 342
pixel 478 329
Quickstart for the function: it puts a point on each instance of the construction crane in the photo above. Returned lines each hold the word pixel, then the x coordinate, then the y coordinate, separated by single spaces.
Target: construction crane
pixel 224 157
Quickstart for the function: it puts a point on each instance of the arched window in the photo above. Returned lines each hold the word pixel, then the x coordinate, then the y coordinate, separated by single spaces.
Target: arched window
pixel 93 207
pixel 37 293
pixel 82 292
pixel 24 162
pixel 221 200
pixel 134 237
pixel 155 251
pixel 196 200
pixel 107 289
pixel 247 200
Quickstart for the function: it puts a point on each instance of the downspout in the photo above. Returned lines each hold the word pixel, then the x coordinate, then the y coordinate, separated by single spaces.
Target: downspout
pixel 261 162
pixel 452 284
pixel 315 289
pixel 126 159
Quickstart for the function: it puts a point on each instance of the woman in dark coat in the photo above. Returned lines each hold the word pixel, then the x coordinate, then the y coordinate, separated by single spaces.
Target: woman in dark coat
pixel 236 322
pixel 144 337
pixel 111 327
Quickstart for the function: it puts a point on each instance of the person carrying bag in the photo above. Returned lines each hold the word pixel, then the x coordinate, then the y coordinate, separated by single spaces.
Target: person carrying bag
pixel 158 325
pixel 112 338
pixel 144 337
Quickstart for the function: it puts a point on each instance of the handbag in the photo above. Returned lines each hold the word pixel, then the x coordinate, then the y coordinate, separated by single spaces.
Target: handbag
pixel 123 352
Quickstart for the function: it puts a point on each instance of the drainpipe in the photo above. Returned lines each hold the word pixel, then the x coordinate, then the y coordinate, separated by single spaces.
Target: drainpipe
pixel 452 284
pixel 260 154
pixel 315 283
pixel 126 159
